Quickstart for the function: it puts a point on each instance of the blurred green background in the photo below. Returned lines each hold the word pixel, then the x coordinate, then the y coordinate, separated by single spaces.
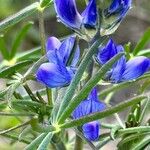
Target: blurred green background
pixel 132 27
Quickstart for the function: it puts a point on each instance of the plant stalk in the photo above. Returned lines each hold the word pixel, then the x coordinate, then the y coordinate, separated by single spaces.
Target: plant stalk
pixel 43 48
pixel 78 143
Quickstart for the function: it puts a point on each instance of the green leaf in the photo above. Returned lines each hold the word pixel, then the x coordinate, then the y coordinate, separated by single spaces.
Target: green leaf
pixel 134 130
pixel 120 86
pixel 3 92
pixel 142 42
pixel 114 131
pixel 3 49
pixel 6 72
pixel 72 87
pixel 99 115
pixel 33 54
pixel 145 52
pixel 15 137
pixel 10 92
pixel 104 139
pixel 87 88
pixel 24 132
pixel 145 107
pixel 12 20
pixel 33 145
pixel 129 139
pixel 30 105
pixel 45 142
pixel 127 48
pixel 3 105
pixel 140 145
pixel 45 3
pixel 20 36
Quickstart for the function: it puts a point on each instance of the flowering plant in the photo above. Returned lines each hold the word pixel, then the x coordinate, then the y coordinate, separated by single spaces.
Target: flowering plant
pixel 78 83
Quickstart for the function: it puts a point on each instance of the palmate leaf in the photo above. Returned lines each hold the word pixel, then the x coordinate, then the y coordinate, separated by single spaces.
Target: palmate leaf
pixel 6 72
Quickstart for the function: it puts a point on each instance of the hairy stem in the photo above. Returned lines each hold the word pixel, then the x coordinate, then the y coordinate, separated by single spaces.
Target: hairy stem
pixel 43 49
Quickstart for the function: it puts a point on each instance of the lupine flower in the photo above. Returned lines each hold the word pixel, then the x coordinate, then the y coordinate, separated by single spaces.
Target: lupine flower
pixel 122 70
pixel 85 23
pixel 113 15
pixel 88 106
pixel 56 72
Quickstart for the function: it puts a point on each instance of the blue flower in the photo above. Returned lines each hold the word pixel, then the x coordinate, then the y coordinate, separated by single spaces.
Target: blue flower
pixel 86 107
pixel 57 72
pixel 114 14
pixel 122 70
pixel 85 23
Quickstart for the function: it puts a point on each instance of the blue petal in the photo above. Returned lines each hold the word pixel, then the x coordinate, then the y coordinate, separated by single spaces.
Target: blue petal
pixel 53 75
pixel 66 49
pixel 114 5
pixel 67 13
pixel 83 109
pixel 107 52
pixel 90 14
pixel 89 105
pixel 96 104
pixel 54 57
pixel 119 7
pixel 135 68
pixel 52 44
pixel 91 130
pixel 118 70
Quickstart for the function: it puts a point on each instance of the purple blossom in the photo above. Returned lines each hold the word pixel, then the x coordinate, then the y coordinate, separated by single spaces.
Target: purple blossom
pixel 57 73
pixel 122 70
pixel 88 106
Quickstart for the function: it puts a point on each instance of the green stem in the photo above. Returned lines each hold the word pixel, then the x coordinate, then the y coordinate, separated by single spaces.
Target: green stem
pixel 105 113
pixel 43 49
pixel 78 143
pixel 72 87
pixel 16 138
pixel 28 90
pixel 14 128
pixel 15 114
pixel 49 96
pixel 42 32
